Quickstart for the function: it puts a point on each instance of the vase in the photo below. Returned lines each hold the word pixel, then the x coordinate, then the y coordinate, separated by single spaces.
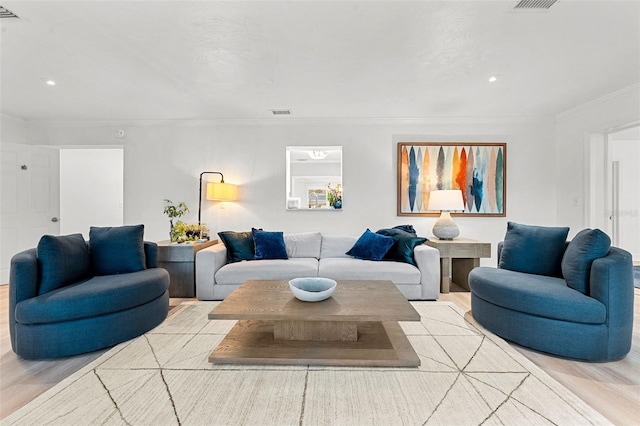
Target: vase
pixel 337 204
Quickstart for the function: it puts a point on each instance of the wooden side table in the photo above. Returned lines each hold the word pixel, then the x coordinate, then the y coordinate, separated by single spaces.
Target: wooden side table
pixel 457 258
pixel 179 260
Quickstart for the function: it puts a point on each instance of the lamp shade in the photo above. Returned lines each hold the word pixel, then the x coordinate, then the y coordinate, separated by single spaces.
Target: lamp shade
pixel 447 200
pixel 221 191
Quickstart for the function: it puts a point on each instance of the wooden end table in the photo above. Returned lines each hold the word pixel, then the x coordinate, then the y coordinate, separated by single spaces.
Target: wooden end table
pixel 356 326
pixel 457 258
pixel 179 261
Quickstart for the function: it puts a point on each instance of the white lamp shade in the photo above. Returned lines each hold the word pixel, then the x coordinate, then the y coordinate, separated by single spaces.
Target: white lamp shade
pixel 221 191
pixel 447 200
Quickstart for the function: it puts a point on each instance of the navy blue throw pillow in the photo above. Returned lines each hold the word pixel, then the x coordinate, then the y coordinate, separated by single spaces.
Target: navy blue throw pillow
pixel 371 246
pixel 239 245
pixel 533 249
pixel 63 260
pixel 402 248
pixel 269 245
pixel 117 249
pixel 587 246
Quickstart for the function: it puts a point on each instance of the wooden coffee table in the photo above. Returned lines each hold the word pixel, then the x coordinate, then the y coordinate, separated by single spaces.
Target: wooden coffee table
pixel 356 326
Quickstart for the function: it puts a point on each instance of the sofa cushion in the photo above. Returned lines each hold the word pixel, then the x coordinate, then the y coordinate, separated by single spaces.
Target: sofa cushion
pixel 336 245
pixel 117 249
pixel 268 245
pixel 402 248
pixel 533 249
pixel 543 296
pixel 270 269
pixel 97 296
pixel 371 246
pixel 305 244
pixel 63 260
pixel 355 269
pixel 587 246
pixel 239 245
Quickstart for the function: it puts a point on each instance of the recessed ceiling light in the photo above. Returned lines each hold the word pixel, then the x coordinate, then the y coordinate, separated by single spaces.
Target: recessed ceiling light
pixel 50 82
pixel 493 78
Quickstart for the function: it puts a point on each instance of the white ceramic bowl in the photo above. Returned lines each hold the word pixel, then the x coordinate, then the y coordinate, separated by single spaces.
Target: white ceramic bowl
pixel 312 289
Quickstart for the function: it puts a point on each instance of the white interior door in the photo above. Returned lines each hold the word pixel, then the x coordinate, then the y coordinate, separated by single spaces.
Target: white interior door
pixel 91 189
pixel 30 200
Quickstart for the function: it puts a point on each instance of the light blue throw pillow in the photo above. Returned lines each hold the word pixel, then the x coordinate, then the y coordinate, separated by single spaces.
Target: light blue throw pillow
pixel 371 246
pixel 587 246
pixel 533 249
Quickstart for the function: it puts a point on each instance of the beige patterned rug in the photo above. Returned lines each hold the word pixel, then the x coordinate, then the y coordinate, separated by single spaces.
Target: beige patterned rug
pixel 468 377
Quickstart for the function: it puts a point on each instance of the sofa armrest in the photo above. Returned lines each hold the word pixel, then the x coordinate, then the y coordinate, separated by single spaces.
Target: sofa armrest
pixel 208 261
pixel 151 254
pixel 428 261
pixel 23 284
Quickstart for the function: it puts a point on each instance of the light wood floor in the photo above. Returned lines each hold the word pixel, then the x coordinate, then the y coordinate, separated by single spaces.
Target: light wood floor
pixel 611 388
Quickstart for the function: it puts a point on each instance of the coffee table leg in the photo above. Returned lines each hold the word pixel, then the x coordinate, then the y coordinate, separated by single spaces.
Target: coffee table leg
pixel 317 331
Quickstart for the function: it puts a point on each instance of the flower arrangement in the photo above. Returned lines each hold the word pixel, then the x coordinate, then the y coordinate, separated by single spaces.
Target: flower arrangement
pixel 181 231
pixel 334 195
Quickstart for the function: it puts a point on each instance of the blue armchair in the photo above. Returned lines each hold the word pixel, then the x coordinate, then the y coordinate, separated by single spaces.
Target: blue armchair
pixel 554 314
pixel 59 306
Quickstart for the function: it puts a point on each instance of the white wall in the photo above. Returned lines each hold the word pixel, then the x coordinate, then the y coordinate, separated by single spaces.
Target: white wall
pixel 163 160
pixel 91 189
pixel 573 130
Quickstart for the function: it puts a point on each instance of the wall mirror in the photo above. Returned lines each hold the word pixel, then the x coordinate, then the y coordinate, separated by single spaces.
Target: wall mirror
pixel 314 178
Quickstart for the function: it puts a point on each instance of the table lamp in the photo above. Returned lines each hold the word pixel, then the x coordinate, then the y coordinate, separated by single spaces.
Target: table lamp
pixel 446 201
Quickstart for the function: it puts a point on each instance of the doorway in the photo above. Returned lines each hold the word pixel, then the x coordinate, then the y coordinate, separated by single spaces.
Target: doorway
pixel 614 177
pixel 91 189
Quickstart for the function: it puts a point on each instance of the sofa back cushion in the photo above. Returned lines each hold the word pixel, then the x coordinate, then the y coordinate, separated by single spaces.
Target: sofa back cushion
pixel 533 249
pixel 587 246
pixel 63 260
pixel 117 249
pixel 336 245
pixel 305 244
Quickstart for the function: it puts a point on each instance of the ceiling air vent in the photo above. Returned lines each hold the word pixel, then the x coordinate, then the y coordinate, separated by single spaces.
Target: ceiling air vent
pixel 534 4
pixel 281 111
pixel 6 13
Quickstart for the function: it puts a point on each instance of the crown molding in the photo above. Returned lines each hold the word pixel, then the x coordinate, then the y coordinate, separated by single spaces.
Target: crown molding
pixel 16 120
pixel 627 91
pixel 294 121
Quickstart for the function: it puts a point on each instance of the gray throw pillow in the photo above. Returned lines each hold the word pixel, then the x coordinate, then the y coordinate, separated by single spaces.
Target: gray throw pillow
pixel 63 260
pixel 587 246
pixel 533 249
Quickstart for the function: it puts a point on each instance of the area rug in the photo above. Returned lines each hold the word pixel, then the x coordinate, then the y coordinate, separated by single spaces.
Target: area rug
pixel 468 376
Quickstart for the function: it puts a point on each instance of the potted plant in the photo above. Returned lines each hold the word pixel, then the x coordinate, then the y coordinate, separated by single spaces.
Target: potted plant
pixel 175 211
pixel 334 195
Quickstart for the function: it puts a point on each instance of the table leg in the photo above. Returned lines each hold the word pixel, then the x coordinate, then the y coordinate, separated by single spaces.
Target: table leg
pixel 445 274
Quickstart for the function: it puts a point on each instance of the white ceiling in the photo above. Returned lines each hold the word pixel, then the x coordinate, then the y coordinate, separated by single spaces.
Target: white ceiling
pixel 136 60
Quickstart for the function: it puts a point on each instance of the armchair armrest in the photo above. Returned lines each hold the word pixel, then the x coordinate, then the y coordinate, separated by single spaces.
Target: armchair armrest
pixel 428 261
pixel 23 284
pixel 151 254
pixel 208 261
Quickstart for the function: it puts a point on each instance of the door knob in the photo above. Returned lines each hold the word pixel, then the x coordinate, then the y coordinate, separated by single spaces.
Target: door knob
pixel 55 219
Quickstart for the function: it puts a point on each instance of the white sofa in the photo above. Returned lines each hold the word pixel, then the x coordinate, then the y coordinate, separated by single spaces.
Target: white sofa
pixel 314 254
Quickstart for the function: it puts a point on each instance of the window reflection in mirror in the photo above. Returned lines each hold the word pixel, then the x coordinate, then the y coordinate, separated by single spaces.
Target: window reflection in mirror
pixel 314 178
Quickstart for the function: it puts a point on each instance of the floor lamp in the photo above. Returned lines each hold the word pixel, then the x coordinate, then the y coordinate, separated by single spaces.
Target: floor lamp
pixel 218 191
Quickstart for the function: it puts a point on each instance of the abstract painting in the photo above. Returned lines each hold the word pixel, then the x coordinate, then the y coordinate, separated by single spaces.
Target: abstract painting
pixel 478 169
